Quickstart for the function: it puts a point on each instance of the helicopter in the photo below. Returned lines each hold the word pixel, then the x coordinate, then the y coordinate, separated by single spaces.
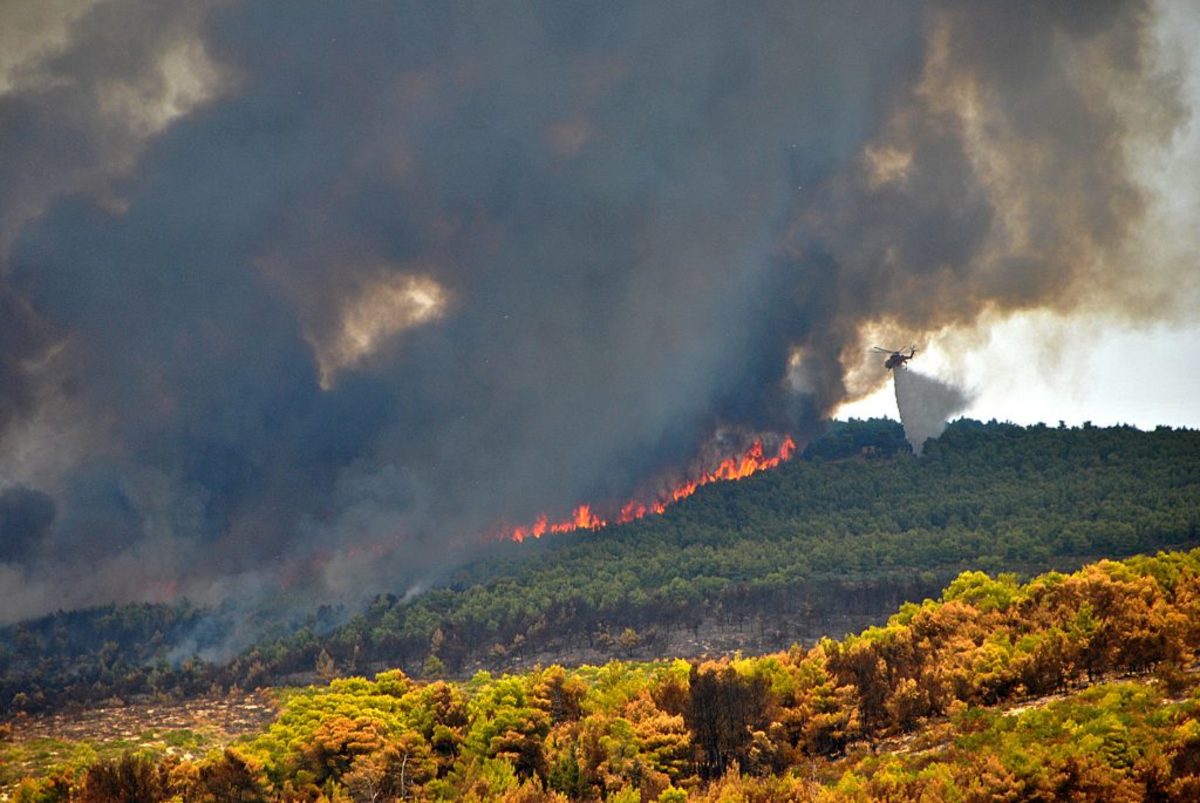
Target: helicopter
pixel 896 357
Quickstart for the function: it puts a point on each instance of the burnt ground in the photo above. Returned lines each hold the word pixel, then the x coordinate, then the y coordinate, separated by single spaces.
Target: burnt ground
pixel 713 638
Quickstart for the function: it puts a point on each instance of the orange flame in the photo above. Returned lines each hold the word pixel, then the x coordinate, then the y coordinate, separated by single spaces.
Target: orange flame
pixel 731 468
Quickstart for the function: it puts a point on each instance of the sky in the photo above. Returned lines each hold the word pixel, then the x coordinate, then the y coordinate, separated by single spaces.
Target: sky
pixel 1029 368
pixel 1095 371
pixel 312 300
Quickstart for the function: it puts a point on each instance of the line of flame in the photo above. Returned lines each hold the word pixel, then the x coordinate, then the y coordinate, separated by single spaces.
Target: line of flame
pixel 731 468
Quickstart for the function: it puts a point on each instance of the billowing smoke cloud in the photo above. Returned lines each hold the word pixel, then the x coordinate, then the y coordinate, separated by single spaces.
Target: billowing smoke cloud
pixel 1001 180
pixel 297 296
pixel 926 405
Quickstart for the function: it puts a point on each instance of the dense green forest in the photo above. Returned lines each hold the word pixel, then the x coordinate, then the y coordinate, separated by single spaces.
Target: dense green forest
pixel 1099 663
pixel 857 524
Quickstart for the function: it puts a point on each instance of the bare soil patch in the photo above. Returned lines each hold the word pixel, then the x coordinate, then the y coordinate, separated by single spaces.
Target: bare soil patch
pixel 222 717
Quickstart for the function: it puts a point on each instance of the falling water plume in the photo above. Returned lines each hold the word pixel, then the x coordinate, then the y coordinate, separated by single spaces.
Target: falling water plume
pixel 926 405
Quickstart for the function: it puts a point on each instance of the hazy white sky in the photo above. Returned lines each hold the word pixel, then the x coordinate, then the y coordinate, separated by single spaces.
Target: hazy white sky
pixel 1035 369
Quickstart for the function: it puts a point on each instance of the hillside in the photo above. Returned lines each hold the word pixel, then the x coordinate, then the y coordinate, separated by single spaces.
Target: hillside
pixel 1067 687
pixel 823 545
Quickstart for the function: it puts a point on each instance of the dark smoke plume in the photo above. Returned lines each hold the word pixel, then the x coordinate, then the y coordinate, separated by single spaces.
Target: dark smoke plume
pixel 25 517
pixel 299 297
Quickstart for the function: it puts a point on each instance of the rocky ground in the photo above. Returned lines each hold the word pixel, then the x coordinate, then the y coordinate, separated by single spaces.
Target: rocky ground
pixel 186 728
pixel 222 716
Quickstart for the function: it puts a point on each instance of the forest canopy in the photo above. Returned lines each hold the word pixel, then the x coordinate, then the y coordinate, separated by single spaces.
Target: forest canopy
pixel 828 722
pixel 856 523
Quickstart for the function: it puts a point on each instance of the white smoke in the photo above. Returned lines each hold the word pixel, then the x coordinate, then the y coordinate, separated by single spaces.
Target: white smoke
pixel 925 404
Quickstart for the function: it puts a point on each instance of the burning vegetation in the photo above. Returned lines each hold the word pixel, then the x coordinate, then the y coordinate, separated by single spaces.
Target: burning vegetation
pixel 752 461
